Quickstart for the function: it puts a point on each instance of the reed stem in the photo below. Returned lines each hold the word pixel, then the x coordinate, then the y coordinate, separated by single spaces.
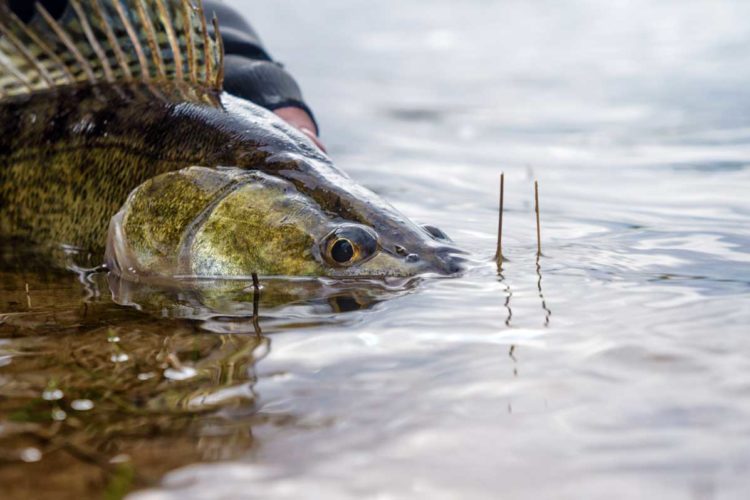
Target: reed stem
pixel 538 225
pixel 256 305
pixel 499 252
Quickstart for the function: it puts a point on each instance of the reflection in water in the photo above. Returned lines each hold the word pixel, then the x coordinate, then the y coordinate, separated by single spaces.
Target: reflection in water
pixel 539 255
pixel 547 312
pixel 97 397
pixel 212 301
pixel 508 295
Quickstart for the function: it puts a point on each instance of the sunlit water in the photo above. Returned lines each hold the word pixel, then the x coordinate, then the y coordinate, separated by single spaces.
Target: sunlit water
pixel 618 365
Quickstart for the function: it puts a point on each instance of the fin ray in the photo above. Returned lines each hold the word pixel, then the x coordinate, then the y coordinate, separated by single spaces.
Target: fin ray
pixel 95 46
pixel 153 44
pixel 112 39
pixel 67 42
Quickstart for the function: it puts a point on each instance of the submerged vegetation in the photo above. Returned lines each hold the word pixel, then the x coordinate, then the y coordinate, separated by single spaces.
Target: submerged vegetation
pixel 98 398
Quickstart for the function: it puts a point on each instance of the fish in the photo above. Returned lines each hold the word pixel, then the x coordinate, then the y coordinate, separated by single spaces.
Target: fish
pixel 116 137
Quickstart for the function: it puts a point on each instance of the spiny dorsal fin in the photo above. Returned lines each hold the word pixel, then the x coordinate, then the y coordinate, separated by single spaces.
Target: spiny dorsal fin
pixel 114 41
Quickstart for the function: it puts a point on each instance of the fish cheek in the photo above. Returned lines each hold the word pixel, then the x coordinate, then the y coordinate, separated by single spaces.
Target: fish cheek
pixel 158 212
pixel 251 231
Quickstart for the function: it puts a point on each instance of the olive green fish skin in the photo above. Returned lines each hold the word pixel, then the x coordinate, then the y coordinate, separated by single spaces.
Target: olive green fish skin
pixel 69 158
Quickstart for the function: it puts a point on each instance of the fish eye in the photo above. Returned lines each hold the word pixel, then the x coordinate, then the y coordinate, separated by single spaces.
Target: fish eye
pixel 349 244
pixel 342 251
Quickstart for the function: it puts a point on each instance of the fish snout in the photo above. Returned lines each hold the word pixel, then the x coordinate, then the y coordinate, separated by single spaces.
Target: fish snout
pixel 446 260
pixel 452 260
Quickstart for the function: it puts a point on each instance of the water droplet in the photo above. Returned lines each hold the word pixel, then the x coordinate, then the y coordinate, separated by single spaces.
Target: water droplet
pixel 119 357
pixel 112 336
pixel 31 455
pixel 59 415
pixel 52 394
pixel 82 404
pixel 119 459
pixel 182 373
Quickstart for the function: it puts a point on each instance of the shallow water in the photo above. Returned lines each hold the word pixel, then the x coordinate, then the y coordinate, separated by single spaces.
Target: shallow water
pixel 615 365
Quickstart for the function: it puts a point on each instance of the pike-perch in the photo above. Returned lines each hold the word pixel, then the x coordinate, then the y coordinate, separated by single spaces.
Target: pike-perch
pixel 116 137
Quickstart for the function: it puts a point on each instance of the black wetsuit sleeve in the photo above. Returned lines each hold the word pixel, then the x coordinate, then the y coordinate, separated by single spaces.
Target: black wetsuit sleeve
pixel 249 70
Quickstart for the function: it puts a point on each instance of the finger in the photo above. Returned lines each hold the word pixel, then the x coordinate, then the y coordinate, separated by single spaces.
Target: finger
pixel 309 133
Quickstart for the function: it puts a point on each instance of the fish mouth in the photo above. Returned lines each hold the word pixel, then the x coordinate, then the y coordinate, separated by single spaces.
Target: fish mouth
pixel 443 260
pixel 450 260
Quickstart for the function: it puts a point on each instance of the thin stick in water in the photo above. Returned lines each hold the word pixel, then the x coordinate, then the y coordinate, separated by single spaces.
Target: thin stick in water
pixel 256 305
pixel 538 225
pixel 499 253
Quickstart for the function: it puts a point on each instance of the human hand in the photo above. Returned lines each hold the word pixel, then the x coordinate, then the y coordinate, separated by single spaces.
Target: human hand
pixel 299 119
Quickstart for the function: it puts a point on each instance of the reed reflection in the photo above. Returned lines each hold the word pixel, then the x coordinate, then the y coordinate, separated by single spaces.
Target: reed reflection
pixel 547 311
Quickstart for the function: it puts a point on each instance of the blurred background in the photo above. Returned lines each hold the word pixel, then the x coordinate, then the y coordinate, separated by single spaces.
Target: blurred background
pixel 514 81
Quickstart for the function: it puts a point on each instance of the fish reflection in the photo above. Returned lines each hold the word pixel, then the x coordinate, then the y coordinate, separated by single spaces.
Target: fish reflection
pixel 232 303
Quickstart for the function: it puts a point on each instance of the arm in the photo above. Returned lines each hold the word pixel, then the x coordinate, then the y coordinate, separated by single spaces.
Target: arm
pixel 250 73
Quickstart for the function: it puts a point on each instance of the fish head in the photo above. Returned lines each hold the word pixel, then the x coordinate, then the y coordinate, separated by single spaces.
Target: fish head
pixel 231 223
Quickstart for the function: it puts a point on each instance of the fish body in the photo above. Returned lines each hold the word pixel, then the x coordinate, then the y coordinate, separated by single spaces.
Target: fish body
pixel 175 177
pixel 70 157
